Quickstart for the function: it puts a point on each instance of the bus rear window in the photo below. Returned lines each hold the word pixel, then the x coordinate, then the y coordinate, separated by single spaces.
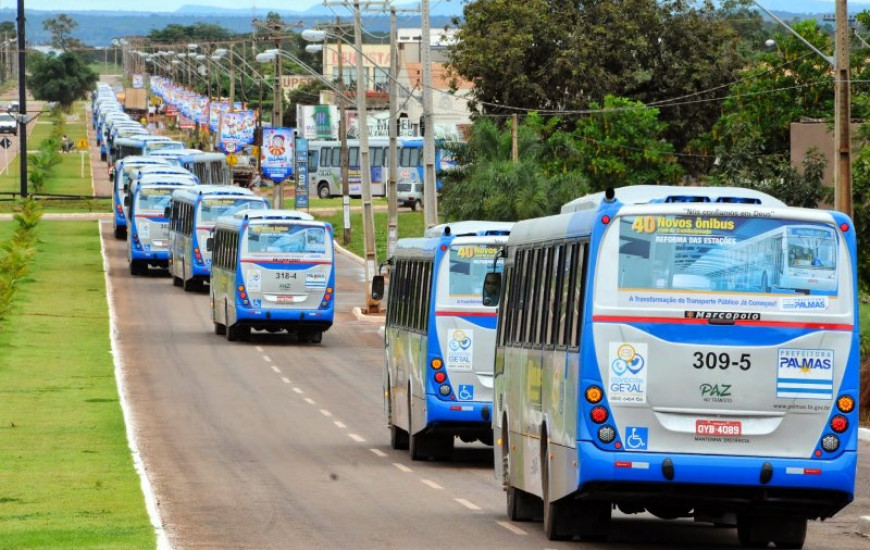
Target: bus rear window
pixel 283 238
pixel 726 254
pixel 469 264
pixel 153 200
pixel 211 209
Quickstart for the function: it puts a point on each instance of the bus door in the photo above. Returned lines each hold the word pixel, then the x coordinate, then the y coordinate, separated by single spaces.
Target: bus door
pixel 703 362
pixel 287 266
pixel 465 327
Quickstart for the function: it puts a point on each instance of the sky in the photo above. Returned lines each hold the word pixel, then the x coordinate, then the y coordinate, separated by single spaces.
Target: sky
pixel 158 5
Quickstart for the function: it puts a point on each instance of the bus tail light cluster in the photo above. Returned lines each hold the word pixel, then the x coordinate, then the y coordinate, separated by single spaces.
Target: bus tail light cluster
pixel 327 298
pixel 243 295
pixel 197 255
pixel 606 434
pixel 135 238
pixel 120 209
pixel 838 424
pixel 440 377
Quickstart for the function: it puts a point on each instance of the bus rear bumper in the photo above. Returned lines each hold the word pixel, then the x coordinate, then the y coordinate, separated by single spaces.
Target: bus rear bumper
pixel 813 488
pixel 468 420
pixel 266 319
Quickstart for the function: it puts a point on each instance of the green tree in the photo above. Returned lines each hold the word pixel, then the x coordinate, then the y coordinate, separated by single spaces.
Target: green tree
pixel 64 78
pixel 621 145
pixel 61 29
pixel 196 33
pixel 559 55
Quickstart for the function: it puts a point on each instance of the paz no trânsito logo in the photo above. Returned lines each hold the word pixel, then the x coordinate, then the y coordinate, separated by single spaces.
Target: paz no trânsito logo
pixel 628 368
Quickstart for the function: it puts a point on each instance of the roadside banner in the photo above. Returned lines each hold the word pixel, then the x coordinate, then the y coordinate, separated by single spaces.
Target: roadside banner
pixel 277 153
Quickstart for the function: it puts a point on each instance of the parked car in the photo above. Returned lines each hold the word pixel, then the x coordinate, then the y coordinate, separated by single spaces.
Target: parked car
pixel 13 107
pixel 8 124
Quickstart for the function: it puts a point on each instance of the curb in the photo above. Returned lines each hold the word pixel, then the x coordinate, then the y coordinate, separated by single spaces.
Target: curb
pixel 348 253
pixel 360 316
pixel 864 435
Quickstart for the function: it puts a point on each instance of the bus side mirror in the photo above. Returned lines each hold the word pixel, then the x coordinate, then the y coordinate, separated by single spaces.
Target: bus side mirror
pixel 112 176
pixel 167 211
pixel 127 200
pixel 377 287
pixel 209 244
pixel 491 289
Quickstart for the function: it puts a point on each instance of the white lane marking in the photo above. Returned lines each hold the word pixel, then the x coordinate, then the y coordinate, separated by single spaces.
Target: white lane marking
pixel 431 483
pixel 325 412
pixel 379 453
pixel 467 504
pixel 339 424
pixel 309 401
pixel 298 390
pixel 151 505
pixel 259 348
pixel 276 369
pixel 285 380
pixel 267 359
pixel 357 438
pixel 512 528
pixel 402 467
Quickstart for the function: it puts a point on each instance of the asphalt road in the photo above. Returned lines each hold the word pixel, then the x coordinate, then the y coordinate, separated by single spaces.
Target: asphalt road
pixel 275 444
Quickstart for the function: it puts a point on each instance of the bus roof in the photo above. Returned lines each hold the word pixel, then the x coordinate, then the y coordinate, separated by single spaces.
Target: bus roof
pixel 274 215
pixel 646 194
pixel 141 160
pixel 470 229
pixel 177 152
pixel 167 178
pixel 192 194
pixel 139 140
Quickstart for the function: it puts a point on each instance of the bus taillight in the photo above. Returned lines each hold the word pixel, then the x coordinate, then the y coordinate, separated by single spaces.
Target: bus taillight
pixel 830 443
pixel 326 298
pixel 444 390
pixel 599 415
pixel 606 434
pixel 243 296
pixel 594 394
pixel 839 424
pixel 136 243
pixel 197 255
pixel 440 377
pixel 845 404
pixel 436 363
pixel 844 227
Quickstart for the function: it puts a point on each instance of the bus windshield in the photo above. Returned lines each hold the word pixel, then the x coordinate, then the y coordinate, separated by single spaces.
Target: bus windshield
pixel 734 254
pixel 469 264
pixel 285 238
pixel 211 209
pixel 153 200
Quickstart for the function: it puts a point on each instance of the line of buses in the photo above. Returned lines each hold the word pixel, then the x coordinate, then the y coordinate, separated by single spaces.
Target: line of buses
pixel 682 351
pixel 177 209
pixel 689 352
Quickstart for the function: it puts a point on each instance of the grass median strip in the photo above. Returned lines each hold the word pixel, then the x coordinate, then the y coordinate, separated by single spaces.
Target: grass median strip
pixel 66 473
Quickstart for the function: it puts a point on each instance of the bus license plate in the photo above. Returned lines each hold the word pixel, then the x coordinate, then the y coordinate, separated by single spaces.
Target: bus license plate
pixel 718 428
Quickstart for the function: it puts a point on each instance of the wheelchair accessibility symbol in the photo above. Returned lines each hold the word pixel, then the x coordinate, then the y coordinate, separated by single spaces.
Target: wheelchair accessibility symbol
pixel 465 393
pixel 636 439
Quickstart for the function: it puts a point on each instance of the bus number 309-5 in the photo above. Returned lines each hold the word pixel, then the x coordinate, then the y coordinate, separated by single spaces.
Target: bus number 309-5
pixel 712 360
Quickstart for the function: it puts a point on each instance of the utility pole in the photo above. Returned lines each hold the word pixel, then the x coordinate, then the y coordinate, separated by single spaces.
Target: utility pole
pixel 392 199
pixel 277 114
pixel 842 116
pixel 232 79
pixel 430 197
pixel 22 101
pixel 371 260
pixel 342 135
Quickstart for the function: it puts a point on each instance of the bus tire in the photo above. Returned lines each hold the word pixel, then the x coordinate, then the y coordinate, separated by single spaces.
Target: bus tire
pixel 136 267
pixel 417 204
pixel 219 329
pixel 120 232
pixel 190 285
pixel 315 336
pixel 592 521
pixel 323 190
pixel 232 333
pixel 398 438
pixel 750 531
pixel 176 281
pixel 790 532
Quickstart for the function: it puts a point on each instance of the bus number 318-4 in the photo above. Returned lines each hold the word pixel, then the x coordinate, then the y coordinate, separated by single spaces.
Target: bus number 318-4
pixel 723 360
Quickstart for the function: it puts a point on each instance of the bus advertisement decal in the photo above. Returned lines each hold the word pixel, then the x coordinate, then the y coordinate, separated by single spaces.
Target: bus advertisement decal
pixel 460 346
pixel 315 280
pixel 628 368
pixel 805 374
pixel 254 280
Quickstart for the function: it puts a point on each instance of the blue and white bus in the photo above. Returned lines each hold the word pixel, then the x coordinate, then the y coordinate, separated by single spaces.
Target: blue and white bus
pixel 192 217
pixel 324 167
pixel 439 340
pixel 638 366
pixel 210 168
pixel 142 145
pixel 272 270
pixel 148 222
pixel 122 174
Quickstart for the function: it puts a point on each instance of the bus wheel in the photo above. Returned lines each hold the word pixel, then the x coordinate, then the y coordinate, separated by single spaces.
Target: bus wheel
pixel 219 329
pixel 315 336
pixel 190 284
pixel 417 205
pixel 176 281
pixel 790 532
pixel 592 521
pixel 136 267
pixel 751 532
pixel 437 447
pixel 521 506
pixel 398 438
pixel 323 191
pixel 243 333
pixel 120 232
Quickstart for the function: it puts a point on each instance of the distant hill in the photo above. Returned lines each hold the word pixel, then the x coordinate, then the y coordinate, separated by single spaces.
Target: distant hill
pixel 98 28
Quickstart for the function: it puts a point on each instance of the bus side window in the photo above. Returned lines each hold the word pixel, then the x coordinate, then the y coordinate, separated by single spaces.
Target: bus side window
pixel 552 278
pixel 577 286
pixel 427 295
pixel 565 295
pixel 313 157
pixel 529 312
pixel 504 318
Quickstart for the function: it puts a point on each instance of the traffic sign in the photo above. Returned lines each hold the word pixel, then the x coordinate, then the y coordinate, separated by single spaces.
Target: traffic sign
pixel 232 159
pixel 82 144
pixel 5 143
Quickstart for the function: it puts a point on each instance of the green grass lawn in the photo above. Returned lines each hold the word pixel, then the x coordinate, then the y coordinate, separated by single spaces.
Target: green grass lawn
pixel 411 224
pixel 66 473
